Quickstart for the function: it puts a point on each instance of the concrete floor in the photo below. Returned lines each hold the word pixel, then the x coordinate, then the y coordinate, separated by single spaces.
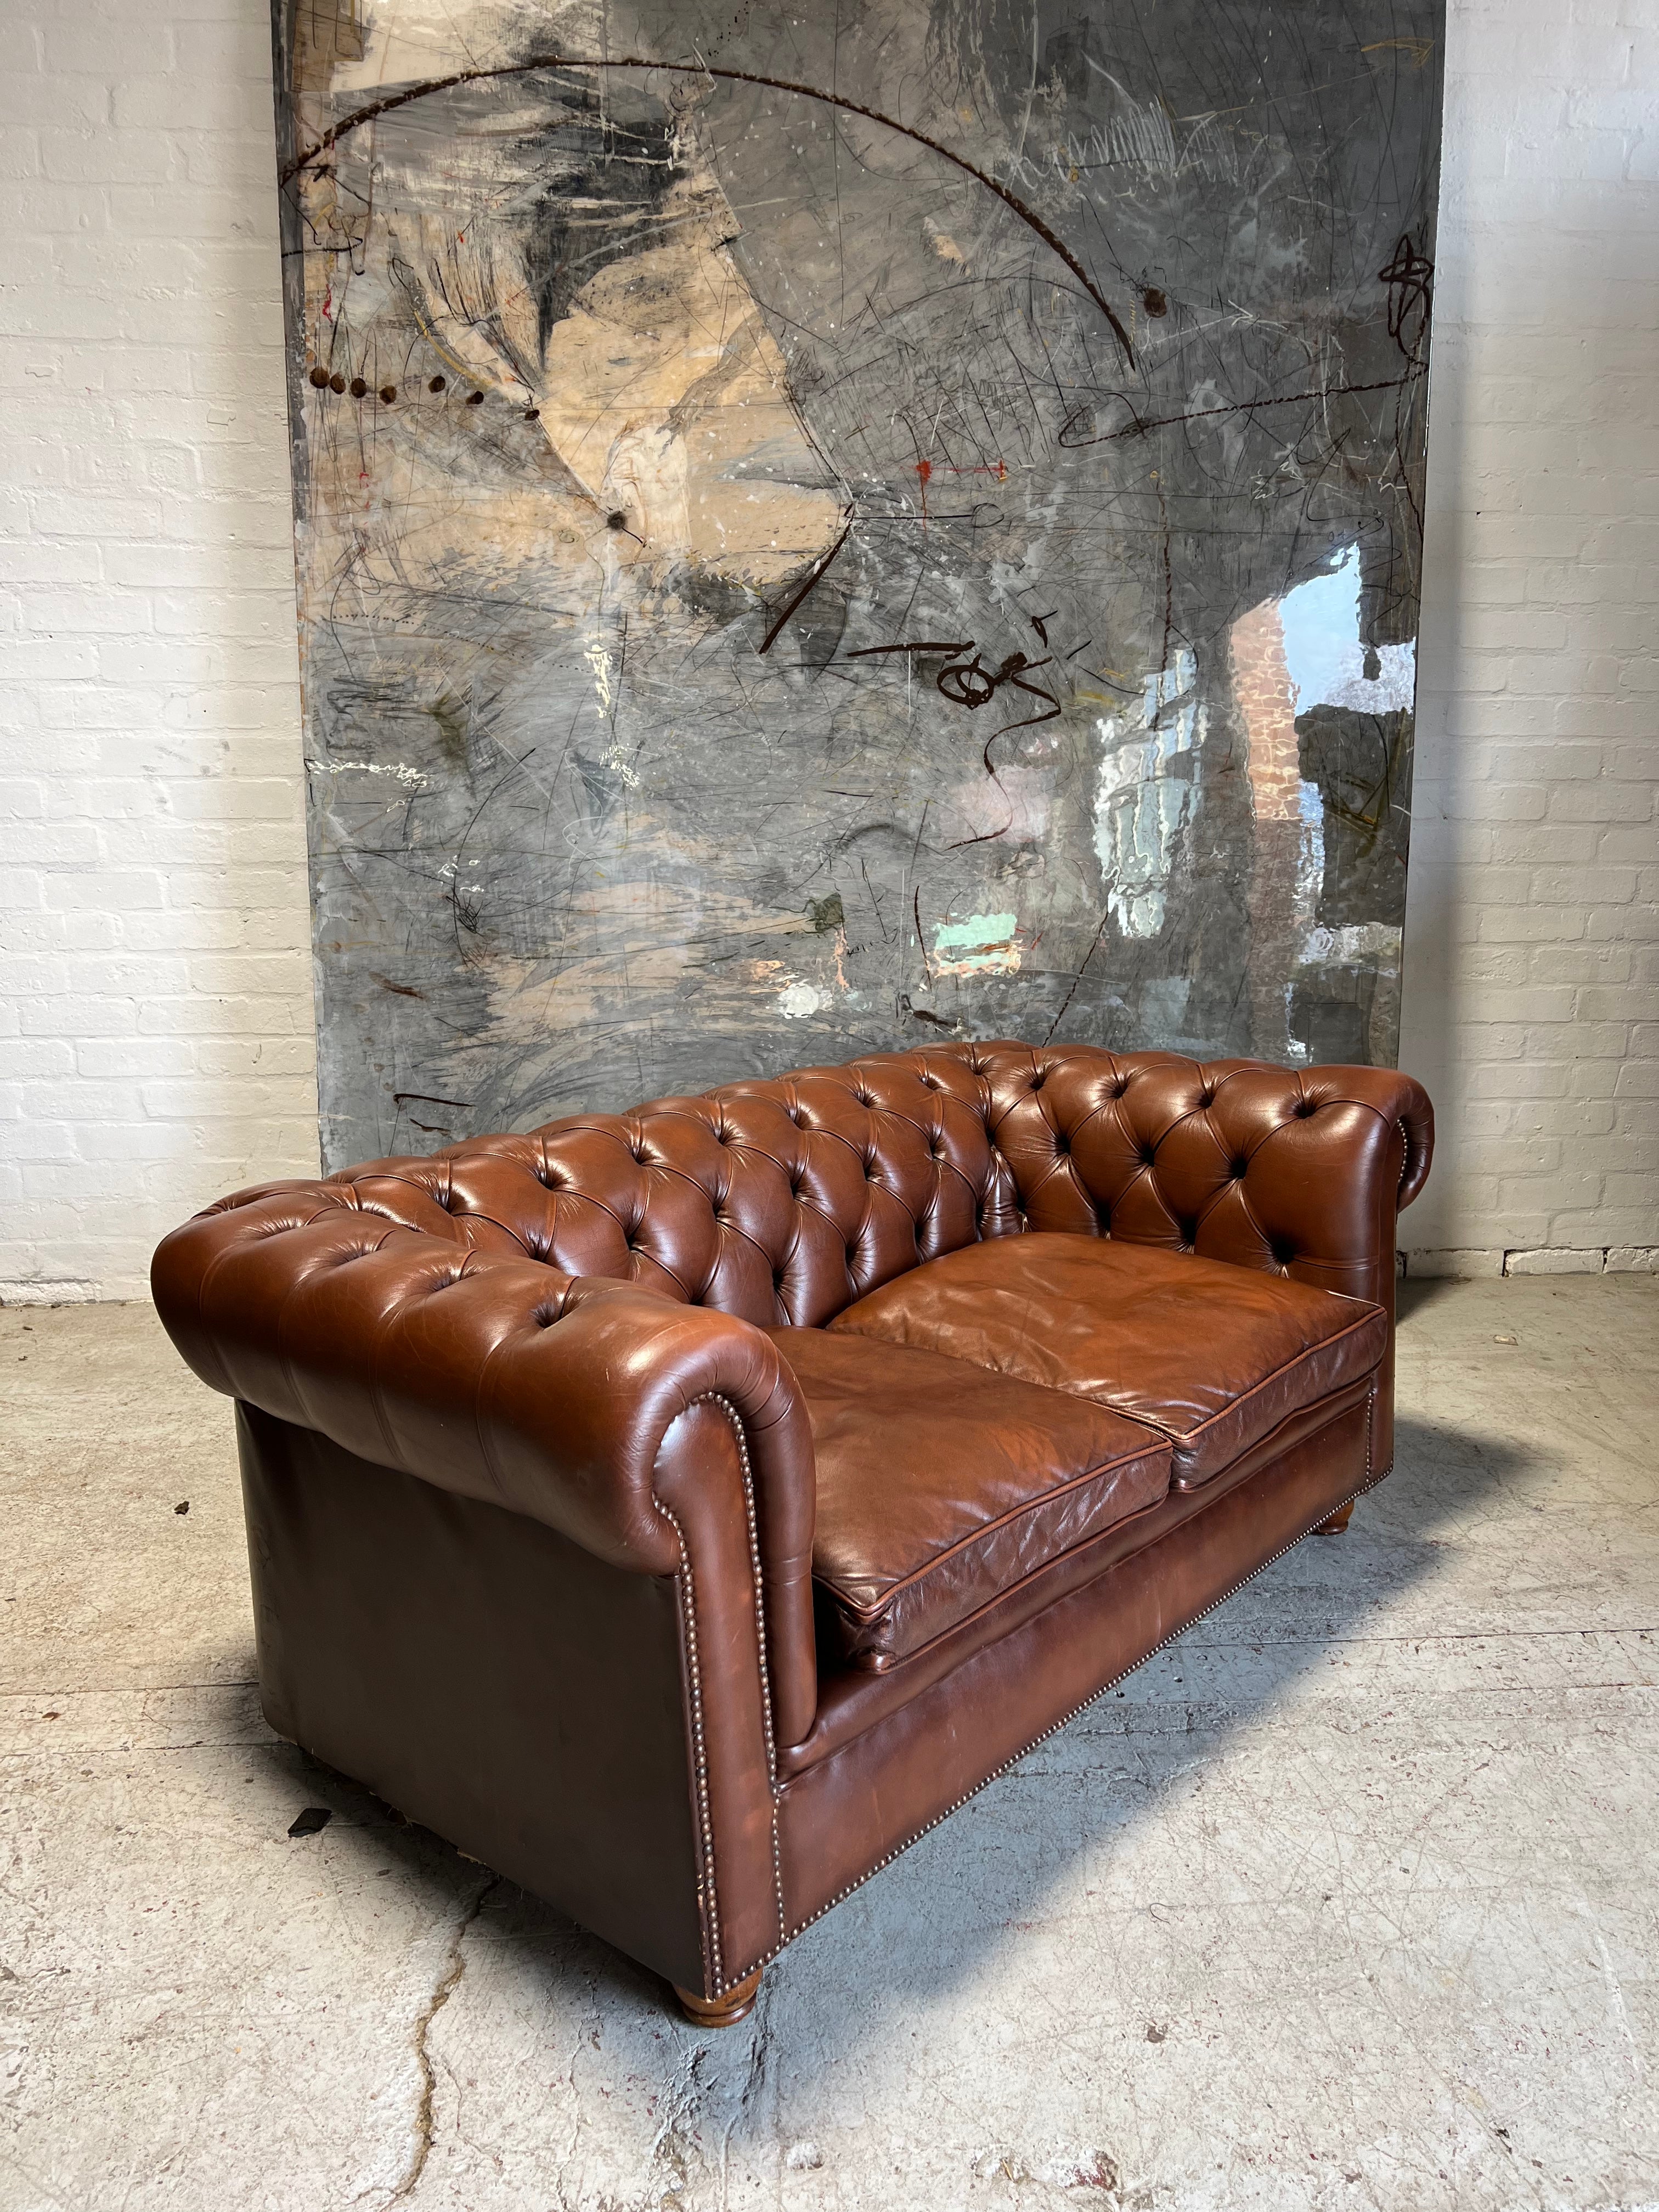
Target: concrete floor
pixel 1346 1900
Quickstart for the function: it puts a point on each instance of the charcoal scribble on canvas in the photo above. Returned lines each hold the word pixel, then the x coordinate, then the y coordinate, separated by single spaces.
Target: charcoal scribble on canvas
pixel 820 533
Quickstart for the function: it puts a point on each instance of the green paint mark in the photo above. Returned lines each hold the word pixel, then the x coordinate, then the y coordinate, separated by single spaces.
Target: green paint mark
pixel 983 945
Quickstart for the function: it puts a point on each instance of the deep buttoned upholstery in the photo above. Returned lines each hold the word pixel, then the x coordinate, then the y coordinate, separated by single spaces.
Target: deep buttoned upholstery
pixel 734 1395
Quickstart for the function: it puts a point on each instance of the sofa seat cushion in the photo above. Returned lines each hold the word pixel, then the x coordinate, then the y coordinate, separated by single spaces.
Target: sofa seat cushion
pixel 941 1486
pixel 1211 1356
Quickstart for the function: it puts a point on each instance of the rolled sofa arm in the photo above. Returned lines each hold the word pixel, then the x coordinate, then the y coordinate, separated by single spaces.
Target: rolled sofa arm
pixel 504 1380
pixel 1330 1157
pixel 1301 1170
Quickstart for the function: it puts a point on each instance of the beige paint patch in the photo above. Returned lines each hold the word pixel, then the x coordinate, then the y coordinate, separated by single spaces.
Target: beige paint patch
pixel 664 389
pixel 942 242
pixel 403 42
pixel 661 392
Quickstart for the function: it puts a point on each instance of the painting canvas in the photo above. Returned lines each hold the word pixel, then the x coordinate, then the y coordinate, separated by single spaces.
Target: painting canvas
pixel 820 533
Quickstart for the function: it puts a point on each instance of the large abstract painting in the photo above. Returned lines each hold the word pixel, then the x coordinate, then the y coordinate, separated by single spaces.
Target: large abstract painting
pixel 820 532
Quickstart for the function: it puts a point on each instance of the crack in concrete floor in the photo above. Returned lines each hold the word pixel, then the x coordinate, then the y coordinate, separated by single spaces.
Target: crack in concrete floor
pixel 453 1966
pixel 1349 1896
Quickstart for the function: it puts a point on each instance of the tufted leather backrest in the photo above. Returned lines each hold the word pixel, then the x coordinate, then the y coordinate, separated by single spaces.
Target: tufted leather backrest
pixel 783 1200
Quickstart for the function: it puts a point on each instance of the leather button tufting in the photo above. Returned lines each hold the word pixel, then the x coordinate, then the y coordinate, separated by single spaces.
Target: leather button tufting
pixel 479 1444
pixel 565 1448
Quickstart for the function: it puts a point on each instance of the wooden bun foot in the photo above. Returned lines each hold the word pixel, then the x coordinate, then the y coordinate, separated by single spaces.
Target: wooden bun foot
pixel 722 2011
pixel 1338 1521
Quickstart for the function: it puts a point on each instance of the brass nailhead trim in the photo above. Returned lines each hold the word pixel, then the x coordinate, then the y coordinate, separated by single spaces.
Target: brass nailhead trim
pixel 687 1582
pixel 686 1586
pixel 760 1629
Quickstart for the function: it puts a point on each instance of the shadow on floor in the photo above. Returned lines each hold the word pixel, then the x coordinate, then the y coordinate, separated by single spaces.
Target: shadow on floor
pixel 1414 1294
pixel 1330 1586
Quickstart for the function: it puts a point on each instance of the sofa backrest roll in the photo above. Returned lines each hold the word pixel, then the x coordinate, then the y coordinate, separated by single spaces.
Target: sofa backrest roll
pixel 783 1200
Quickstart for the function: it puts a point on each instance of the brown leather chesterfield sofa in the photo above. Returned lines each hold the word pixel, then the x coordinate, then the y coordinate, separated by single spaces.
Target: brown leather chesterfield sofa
pixel 683 1510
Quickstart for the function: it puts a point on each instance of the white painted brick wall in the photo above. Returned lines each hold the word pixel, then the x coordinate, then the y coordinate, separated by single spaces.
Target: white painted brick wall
pixel 155 1016
pixel 1532 974
pixel 156 1019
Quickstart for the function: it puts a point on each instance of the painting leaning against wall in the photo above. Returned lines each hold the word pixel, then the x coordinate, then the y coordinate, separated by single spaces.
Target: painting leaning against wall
pixel 821 533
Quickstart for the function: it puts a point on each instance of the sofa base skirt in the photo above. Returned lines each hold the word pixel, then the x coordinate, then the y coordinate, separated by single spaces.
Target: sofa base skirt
pixel 845 1817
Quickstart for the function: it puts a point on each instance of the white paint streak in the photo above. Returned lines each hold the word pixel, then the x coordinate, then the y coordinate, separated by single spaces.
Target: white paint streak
pixel 412 778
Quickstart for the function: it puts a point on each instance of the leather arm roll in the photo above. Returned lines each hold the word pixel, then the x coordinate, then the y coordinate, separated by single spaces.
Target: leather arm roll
pixel 569 1399
pixel 1324 1160
pixel 1298 1170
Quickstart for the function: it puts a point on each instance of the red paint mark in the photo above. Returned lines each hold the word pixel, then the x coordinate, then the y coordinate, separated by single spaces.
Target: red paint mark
pixel 997 469
pixel 328 305
pixel 924 469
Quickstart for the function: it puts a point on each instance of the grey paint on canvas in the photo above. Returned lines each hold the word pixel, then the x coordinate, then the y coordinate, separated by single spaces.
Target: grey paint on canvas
pixel 822 533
